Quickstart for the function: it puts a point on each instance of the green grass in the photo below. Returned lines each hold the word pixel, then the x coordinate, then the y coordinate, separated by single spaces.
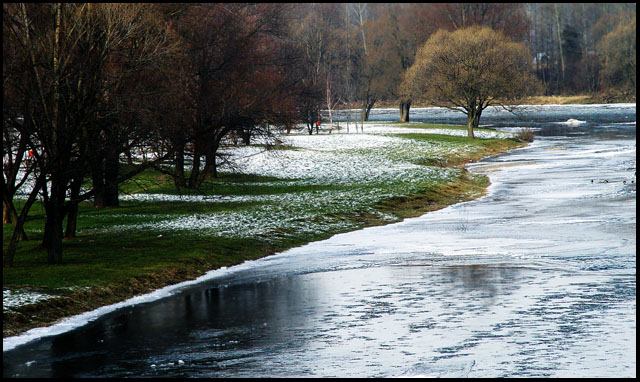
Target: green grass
pixel 99 259
pixel 423 125
pixel 489 143
pixel 152 181
pixel 228 184
pixel 474 149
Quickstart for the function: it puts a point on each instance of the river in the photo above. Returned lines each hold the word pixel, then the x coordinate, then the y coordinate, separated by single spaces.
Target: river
pixel 535 279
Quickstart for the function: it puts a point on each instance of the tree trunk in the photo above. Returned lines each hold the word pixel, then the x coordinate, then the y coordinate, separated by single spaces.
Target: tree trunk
pixel 72 219
pixel 96 165
pixel 46 235
pixel 329 100
pixel 98 186
pixel 72 209
pixel 210 165
pixel 404 111
pixel 105 181
pixel 555 7
pixel 473 121
pixel 470 126
pixel 55 214
pixel 178 177
pixel 9 214
pixel 366 109
pixel 111 171
pixel 310 120
pixel 195 168
pixel 13 244
pixel 216 145
pixel 246 137
pixel 54 251
pixel 55 206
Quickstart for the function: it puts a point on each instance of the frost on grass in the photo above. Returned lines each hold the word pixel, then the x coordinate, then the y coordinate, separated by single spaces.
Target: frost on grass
pixel 382 128
pixel 19 297
pixel 354 172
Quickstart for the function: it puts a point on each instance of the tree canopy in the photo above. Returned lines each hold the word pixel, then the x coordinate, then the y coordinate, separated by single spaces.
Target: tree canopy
pixel 469 70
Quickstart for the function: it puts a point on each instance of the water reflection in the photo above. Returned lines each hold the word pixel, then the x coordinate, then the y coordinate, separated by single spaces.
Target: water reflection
pixel 480 278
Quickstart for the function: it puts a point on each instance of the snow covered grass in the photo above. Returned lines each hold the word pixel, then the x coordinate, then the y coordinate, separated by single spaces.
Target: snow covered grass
pixel 18 297
pixel 354 172
pixel 313 186
pixel 430 128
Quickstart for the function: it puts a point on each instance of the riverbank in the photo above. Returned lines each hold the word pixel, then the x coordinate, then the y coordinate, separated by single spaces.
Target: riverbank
pixel 580 99
pixel 310 189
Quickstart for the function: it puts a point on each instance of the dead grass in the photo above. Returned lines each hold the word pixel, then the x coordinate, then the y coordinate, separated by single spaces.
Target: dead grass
pixel 526 135
pixel 559 100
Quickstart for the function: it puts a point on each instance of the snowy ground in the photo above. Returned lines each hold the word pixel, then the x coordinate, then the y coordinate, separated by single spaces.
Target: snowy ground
pixel 385 129
pixel 13 298
pixel 372 166
pixel 352 171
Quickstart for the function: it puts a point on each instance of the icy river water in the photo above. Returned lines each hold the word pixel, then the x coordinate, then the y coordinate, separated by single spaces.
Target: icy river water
pixel 537 278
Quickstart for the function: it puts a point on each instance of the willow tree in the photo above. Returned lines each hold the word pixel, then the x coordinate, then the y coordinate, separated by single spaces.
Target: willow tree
pixel 469 70
pixel 618 48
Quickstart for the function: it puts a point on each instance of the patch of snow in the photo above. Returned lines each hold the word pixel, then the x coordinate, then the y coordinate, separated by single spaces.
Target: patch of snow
pixel 387 129
pixel 572 122
pixel 17 297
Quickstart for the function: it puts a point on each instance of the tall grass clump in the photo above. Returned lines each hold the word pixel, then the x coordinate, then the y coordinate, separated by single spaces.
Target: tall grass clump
pixel 526 135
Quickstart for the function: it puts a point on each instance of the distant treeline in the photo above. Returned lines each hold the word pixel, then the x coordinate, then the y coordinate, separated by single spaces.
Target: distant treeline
pixel 584 47
pixel 166 85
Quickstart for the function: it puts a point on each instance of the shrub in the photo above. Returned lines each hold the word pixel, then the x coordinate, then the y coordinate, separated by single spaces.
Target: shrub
pixel 526 135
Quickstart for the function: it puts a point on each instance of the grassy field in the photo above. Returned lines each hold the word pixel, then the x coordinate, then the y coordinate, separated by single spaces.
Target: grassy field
pixel 319 186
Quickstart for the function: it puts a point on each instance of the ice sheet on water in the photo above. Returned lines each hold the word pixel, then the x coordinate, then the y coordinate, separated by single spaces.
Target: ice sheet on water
pixel 444 368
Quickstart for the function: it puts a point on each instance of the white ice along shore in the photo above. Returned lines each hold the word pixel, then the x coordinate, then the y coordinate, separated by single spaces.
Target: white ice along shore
pixel 70 323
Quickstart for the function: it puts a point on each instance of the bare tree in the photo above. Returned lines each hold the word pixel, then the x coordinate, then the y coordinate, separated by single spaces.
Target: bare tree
pixel 17 161
pixel 235 79
pixel 469 70
pixel 316 30
pixel 619 50
pixel 72 55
